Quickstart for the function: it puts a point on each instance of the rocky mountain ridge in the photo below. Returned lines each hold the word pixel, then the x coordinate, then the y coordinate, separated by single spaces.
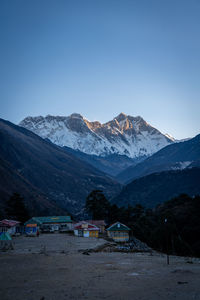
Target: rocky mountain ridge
pixel 124 135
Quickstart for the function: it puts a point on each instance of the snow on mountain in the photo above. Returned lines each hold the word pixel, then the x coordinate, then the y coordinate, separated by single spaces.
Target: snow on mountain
pixel 170 137
pixel 181 165
pixel 124 135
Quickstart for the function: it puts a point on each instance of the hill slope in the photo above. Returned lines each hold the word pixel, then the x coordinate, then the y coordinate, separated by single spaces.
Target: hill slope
pixel 173 157
pixel 32 166
pixel 160 187
pixel 111 164
pixel 11 181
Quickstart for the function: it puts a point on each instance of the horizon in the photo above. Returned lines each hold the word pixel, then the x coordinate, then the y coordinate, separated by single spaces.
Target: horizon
pixel 101 58
pixel 105 121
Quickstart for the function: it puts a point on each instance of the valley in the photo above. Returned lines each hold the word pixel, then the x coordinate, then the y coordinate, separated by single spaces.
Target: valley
pixel 51 162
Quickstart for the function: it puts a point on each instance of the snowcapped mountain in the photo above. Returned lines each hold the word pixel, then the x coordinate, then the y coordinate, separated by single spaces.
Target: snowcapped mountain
pixel 124 135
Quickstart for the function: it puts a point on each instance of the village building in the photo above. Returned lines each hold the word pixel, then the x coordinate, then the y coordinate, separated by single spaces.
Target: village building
pixel 10 226
pixel 86 229
pixel 5 241
pixel 118 232
pixel 52 224
pixel 31 229
pixel 99 223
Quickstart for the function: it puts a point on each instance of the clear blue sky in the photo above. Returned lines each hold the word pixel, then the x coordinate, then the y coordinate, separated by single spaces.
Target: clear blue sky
pixel 100 58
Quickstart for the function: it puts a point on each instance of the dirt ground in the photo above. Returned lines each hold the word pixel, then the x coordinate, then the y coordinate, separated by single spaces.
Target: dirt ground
pixel 51 267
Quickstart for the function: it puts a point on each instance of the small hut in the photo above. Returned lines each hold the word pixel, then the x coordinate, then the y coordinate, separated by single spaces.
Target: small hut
pixel 99 223
pixel 86 229
pixel 52 223
pixel 9 226
pixel 5 241
pixel 31 229
pixel 118 232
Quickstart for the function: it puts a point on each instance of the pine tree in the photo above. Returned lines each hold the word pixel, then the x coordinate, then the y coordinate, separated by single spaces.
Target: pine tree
pixel 15 208
pixel 97 205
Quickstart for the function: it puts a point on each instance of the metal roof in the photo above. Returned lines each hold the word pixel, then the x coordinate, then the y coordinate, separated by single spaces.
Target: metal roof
pixel 49 220
pixel 9 223
pixel 118 227
pixel 86 226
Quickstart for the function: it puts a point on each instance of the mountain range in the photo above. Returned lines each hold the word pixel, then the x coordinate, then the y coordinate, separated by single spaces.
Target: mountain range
pixel 55 162
pixel 111 147
pixel 124 135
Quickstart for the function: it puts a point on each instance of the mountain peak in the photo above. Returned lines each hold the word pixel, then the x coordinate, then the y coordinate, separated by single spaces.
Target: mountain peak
pixel 124 135
pixel 122 116
pixel 76 116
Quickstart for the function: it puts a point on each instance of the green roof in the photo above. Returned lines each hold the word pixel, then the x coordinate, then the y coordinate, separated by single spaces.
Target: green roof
pixel 118 227
pixel 5 236
pixel 46 220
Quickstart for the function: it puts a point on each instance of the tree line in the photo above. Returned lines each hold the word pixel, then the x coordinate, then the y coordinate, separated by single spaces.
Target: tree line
pixel 172 227
pixel 15 209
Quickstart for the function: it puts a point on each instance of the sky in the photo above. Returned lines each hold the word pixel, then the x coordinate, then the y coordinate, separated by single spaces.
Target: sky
pixel 100 58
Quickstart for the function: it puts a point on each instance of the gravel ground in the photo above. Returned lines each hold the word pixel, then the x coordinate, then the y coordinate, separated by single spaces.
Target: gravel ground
pixel 62 272
pixel 53 243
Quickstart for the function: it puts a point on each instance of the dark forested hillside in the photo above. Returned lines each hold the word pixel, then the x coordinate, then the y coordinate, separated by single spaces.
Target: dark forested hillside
pixel 172 227
pixel 111 164
pixel 45 174
pixel 159 187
